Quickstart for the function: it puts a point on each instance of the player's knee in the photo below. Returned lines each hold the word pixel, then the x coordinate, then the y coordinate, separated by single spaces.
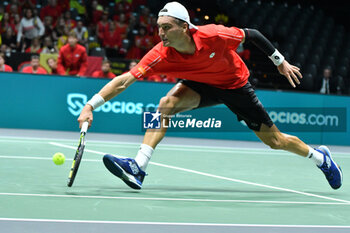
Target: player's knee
pixel 167 105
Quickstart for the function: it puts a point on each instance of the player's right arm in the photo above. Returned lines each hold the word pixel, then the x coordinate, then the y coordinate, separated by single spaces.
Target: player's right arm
pixel 109 91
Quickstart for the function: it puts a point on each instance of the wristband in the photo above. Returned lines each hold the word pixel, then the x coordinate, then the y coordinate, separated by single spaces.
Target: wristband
pixel 277 58
pixel 96 101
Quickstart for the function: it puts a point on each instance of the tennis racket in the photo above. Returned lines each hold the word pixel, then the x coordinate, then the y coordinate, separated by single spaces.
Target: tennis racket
pixel 78 154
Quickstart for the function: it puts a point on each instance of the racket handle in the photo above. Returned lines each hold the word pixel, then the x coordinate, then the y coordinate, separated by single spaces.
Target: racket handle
pixel 84 127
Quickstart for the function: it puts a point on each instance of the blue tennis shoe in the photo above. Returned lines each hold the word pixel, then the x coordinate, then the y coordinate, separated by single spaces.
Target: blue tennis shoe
pixel 126 169
pixel 330 168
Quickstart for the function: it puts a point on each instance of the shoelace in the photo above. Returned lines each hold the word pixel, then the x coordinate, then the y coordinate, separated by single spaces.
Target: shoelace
pixel 327 172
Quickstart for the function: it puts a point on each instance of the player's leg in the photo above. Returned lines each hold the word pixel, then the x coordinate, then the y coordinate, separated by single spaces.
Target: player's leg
pixel 247 106
pixel 132 171
pixel 272 137
pixel 179 99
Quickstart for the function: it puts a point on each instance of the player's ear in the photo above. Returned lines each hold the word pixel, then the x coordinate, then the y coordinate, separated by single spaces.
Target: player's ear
pixel 185 26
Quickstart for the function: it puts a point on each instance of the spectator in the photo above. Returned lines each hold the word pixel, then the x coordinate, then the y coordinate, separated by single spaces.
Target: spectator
pixel 132 64
pixel 50 28
pixel 71 23
pixel 72 59
pixel 16 22
pixel 49 47
pixel 3 66
pixel 102 26
pixel 112 40
pixel 145 17
pixel 5 49
pixel 9 39
pixel 60 27
pixel 13 8
pixel 51 9
pixel 146 40
pixel 105 71
pixel 82 33
pixel 29 28
pixel 97 12
pixel 35 46
pixel 52 63
pixel 34 67
pixel 135 51
pixel 122 26
pixel 152 29
pixel 5 23
pixel 327 84
pixel 62 40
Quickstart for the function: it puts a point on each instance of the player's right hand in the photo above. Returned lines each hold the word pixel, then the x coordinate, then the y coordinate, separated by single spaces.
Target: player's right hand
pixel 86 115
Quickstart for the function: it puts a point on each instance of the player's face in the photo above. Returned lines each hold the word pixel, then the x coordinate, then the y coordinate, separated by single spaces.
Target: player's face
pixel 169 31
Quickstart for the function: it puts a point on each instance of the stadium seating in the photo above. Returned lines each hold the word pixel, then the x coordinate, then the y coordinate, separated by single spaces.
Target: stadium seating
pixel 303 32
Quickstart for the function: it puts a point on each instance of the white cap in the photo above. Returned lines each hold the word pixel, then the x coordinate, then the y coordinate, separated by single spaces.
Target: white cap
pixel 176 10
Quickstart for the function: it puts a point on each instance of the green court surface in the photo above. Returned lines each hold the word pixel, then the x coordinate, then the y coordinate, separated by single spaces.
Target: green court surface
pixel 195 187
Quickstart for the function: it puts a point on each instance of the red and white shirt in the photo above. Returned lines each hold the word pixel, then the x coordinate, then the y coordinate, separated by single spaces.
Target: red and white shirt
pixel 215 61
pixel 6 68
pixel 30 70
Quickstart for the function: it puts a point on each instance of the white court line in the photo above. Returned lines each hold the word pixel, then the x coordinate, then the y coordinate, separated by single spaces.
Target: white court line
pixel 223 178
pixel 171 223
pixel 229 150
pixel 164 146
pixel 173 199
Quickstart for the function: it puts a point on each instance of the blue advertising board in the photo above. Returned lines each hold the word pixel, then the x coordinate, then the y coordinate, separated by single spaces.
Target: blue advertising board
pixel 54 103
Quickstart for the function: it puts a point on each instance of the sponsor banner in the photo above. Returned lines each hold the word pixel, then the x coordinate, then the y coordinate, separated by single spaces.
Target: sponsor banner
pixel 54 103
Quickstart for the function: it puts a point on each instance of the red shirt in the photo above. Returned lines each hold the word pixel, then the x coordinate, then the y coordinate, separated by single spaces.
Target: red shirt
pixel 6 68
pixel 72 60
pixel 215 61
pixel 49 10
pixel 30 70
pixel 112 39
pixel 100 74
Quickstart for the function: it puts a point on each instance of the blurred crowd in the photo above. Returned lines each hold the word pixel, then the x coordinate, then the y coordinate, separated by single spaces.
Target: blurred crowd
pixel 121 29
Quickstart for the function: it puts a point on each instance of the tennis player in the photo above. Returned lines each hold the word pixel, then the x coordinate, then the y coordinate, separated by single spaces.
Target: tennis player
pixel 211 73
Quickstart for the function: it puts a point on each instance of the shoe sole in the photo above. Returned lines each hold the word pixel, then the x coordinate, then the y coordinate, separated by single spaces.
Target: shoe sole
pixel 327 151
pixel 118 171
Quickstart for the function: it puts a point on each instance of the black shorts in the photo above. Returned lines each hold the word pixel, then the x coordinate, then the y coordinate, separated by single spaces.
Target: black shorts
pixel 242 101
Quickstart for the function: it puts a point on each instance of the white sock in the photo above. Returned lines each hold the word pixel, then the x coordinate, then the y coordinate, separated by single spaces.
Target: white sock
pixel 143 156
pixel 315 156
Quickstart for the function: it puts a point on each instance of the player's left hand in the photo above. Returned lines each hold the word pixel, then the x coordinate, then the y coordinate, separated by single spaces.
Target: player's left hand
pixel 292 73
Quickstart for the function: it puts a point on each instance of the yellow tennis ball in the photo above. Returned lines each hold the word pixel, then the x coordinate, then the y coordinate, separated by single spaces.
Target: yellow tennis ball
pixel 58 158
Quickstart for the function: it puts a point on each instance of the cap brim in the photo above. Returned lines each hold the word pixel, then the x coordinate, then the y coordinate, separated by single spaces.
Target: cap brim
pixel 190 25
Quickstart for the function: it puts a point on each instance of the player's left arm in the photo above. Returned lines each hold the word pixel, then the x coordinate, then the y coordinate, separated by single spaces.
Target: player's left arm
pixel 291 72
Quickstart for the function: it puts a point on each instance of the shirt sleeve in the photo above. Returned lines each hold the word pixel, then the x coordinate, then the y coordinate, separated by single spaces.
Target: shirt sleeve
pixel 19 33
pixel 233 35
pixel 83 65
pixel 40 25
pixel 148 64
pixel 60 67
